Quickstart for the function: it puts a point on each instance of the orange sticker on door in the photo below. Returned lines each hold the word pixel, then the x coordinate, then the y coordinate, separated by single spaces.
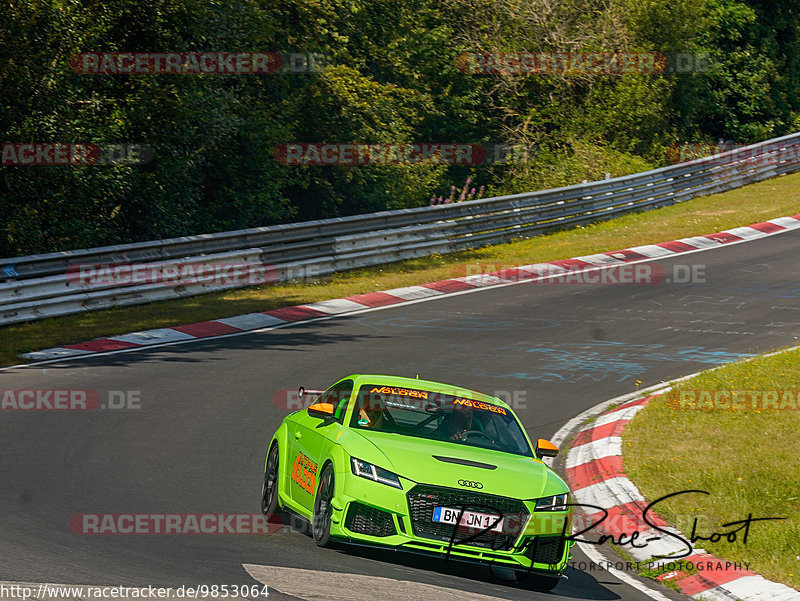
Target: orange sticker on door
pixel 305 473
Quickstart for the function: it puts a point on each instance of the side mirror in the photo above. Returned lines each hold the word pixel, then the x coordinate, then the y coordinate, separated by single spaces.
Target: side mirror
pixel 545 448
pixel 322 410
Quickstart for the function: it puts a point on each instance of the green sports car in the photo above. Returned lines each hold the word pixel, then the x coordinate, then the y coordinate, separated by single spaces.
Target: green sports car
pixel 423 467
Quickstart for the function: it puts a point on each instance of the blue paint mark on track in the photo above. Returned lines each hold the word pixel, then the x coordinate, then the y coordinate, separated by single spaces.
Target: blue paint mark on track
pixel 599 360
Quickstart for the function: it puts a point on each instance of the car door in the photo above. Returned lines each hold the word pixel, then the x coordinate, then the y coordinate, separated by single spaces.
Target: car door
pixel 309 442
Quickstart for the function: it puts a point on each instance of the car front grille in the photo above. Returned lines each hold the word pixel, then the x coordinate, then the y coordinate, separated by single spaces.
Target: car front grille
pixel 369 520
pixel 545 549
pixel 422 499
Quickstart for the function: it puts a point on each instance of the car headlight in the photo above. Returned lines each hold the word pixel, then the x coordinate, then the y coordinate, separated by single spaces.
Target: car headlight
pixel 373 472
pixel 554 503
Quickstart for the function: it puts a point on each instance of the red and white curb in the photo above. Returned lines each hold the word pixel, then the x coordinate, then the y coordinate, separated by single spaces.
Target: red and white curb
pixel 596 477
pixel 253 322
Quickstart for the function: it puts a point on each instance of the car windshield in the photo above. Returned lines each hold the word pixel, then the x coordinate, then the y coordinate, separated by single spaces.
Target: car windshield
pixel 438 416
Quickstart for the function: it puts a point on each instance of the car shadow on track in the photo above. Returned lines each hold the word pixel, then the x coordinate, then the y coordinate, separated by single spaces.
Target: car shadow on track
pixel 576 585
pixel 294 338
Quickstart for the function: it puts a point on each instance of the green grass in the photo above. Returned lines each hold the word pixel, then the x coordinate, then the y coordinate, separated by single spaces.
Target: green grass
pixel 772 198
pixel 747 458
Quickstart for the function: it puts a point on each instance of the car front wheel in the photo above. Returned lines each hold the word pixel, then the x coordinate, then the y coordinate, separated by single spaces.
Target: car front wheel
pixel 323 509
pixel 269 491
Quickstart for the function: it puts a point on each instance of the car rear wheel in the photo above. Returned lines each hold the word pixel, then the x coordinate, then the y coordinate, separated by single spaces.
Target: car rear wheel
pixel 269 492
pixel 323 509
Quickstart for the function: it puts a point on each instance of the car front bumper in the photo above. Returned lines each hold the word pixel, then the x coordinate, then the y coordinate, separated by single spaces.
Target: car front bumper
pixel 371 513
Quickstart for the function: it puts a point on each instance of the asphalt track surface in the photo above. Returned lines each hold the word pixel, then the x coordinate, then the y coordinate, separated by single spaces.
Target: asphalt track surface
pixel 198 442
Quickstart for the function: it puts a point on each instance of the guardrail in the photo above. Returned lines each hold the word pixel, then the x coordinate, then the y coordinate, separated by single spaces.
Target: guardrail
pixel 49 285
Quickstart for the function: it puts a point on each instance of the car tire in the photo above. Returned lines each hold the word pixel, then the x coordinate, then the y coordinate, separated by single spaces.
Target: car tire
pixel 270 501
pixel 323 509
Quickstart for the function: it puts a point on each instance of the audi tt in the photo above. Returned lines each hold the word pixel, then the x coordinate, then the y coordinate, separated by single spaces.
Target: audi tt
pixel 423 467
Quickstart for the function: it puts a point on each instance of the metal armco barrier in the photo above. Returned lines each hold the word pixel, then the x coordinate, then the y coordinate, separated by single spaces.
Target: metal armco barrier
pixel 39 286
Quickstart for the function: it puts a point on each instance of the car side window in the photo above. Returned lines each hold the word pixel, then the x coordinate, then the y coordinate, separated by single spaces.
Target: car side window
pixel 338 395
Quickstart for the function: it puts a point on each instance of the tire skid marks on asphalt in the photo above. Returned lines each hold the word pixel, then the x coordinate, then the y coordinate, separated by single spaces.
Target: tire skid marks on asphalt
pixel 335 306
pixel 481 279
pixel 156 336
pixel 414 292
pixel 602 260
pixel 251 321
pixel 701 242
pixel 652 250
pixel 55 353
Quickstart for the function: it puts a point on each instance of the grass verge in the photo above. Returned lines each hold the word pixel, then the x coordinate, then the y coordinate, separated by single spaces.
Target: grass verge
pixel 765 200
pixel 744 454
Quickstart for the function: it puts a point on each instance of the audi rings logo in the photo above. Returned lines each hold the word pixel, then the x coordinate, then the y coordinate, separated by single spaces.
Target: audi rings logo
pixel 470 484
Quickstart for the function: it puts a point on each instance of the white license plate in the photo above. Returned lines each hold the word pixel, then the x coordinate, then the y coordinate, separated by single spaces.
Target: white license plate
pixel 469 519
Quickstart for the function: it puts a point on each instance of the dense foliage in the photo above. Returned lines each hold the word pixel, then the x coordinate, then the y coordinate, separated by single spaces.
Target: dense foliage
pixel 392 77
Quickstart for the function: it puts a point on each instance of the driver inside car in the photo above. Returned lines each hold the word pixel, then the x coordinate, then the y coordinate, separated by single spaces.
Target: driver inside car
pixel 454 425
pixel 371 413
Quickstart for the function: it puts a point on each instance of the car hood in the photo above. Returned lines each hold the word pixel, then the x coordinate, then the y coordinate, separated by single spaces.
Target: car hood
pixel 444 464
